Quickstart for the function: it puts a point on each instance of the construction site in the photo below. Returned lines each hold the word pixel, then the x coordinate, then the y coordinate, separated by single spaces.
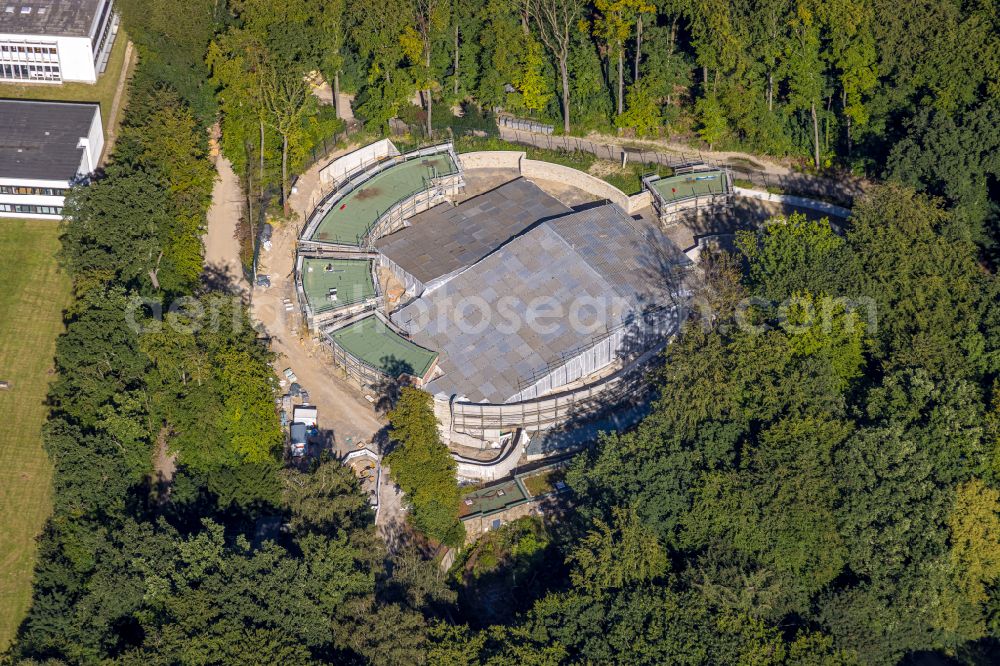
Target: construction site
pixel 526 297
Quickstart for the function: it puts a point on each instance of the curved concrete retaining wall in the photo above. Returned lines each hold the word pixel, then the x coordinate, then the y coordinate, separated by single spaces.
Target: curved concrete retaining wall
pixel 491 470
pixel 798 202
pixel 492 159
pixel 694 253
pixel 474 470
pixel 639 201
pixel 517 160
pixel 575 178
pixel 344 167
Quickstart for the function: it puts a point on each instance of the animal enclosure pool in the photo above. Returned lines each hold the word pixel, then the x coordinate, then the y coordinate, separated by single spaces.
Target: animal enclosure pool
pixel 690 185
pixel 335 283
pixel 350 218
pixel 376 345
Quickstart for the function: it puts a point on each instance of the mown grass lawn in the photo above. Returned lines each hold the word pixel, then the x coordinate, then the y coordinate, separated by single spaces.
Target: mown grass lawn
pixel 33 294
pixel 103 91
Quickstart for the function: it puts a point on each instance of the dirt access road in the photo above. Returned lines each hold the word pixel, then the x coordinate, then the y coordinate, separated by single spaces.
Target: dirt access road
pixel 342 408
pixel 222 249
pixel 341 405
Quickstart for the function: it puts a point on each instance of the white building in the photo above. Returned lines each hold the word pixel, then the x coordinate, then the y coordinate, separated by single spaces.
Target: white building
pixel 51 41
pixel 44 148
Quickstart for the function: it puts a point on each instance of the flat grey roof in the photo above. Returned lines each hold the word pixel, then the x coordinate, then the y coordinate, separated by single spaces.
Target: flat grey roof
pixel 447 238
pixel 607 266
pixel 39 139
pixel 62 18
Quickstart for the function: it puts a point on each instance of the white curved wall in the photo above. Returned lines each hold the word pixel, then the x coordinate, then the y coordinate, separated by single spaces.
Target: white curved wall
pixel 575 178
pixel 492 159
pixel 798 202
pixel 345 165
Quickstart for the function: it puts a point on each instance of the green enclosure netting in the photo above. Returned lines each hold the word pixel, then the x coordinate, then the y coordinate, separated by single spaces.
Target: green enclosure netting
pixel 377 345
pixel 351 278
pixel 688 185
pixel 351 217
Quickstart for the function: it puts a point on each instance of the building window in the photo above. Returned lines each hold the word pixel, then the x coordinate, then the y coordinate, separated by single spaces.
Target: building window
pixel 35 191
pixel 30 209
pixel 29 61
pixel 107 29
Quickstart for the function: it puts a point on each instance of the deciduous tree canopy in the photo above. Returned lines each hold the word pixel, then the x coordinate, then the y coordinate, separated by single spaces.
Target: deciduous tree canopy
pixel 817 481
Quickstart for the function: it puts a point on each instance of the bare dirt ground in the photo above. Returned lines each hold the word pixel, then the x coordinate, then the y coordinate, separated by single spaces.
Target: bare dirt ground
pixel 342 408
pixel 164 462
pixel 341 405
pixel 345 102
pixel 323 91
pixel 391 522
pixel 164 467
pixel 343 412
pixel 222 249
pixel 747 160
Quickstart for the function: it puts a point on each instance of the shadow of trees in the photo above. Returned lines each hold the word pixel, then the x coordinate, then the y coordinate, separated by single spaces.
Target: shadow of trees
pixel 216 277
pixel 397 374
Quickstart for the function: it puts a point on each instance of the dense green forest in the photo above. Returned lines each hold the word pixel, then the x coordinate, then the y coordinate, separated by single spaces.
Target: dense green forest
pixel 908 91
pixel 806 490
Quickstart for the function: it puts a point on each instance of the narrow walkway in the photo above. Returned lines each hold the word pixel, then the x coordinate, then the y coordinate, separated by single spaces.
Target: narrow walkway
pixel 113 116
pixel 842 187
pixel 222 249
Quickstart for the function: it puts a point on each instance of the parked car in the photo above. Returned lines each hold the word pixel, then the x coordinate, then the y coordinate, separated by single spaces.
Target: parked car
pixel 263 280
pixel 305 396
pixel 290 376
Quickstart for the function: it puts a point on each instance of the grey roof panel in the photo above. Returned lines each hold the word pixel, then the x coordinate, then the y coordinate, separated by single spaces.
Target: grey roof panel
pixel 63 18
pixel 448 238
pixel 599 252
pixel 39 140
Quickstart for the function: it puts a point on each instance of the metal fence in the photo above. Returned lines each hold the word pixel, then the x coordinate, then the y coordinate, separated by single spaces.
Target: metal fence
pixel 327 146
pixel 539 414
pixel 672 210
pixel 602 150
pixel 358 370
pixel 841 190
pixel 326 196
pixel 511 122
pixel 320 151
